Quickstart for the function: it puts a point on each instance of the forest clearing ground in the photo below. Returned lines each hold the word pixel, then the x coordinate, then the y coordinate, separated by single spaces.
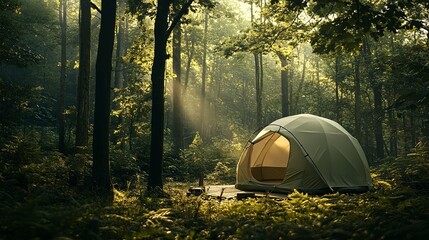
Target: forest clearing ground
pixel 397 207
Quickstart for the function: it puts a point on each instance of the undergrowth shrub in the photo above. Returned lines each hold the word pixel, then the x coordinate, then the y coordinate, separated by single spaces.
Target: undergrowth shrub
pixel 52 206
pixel 79 169
pixel 21 149
pixel 124 168
pixel 215 161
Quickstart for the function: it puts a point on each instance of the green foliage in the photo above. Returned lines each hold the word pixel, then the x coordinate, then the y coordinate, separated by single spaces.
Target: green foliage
pixel 413 78
pixel 396 207
pixel 13 104
pixel 79 169
pixel 124 167
pixel 12 51
pixel 215 161
pixel 44 194
pixel 22 148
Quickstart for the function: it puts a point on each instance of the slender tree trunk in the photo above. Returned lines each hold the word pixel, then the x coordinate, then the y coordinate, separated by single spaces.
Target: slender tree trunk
pixel 405 129
pixel 244 115
pixel 357 99
pixel 378 124
pixel 203 78
pixel 393 134
pixel 337 89
pixel 157 77
pixel 82 124
pixel 190 52
pixel 257 79
pixel 161 32
pixel 61 124
pixel 258 91
pixel 413 130
pixel 261 86
pixel 120 47
pixel 284 86
pixel 378 99
pixel 291 76
pixel 319 90
pixel 103 68
pixel 301 83
pixel 119 73
pixel 177 91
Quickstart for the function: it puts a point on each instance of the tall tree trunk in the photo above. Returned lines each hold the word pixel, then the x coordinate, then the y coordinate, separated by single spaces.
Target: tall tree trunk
pixel 257 78
pixel 244 97
pixel 120 47
pixel 378 123
pixel 284 85
pixel 393 134
pixel 357 99
pixel 162 32
pixel 61 124
pixel 378 99
pixel 157 78
pixel 413 129
pixel 190 50
pixel 177 88
pixel 301 84
pixel 258 92
pixel 261 86
pixel 319 90
pixel 119 72
pixel 103 69
pixel 203 78
pixel 337 89
pixel 82 123
pixel 405 129
pixel 291 76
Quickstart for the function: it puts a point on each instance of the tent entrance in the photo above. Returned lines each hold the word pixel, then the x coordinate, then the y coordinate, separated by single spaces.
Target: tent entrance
pixel 270 158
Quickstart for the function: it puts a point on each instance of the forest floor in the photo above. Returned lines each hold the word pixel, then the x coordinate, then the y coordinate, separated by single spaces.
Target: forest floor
pixel 397 207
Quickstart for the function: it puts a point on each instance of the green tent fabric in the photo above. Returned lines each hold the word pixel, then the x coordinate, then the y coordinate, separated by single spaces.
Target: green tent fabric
pixel 304 152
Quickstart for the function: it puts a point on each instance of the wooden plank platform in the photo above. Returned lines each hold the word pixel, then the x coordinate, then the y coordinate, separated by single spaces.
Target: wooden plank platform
pixel 230 192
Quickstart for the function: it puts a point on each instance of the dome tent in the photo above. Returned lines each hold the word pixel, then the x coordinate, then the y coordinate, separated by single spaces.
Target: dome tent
pixel 304 152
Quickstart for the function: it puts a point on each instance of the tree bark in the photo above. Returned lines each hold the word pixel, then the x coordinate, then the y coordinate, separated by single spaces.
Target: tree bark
pixel 157 78
pixel 61 124
pixel 119 72
pixel 257 78
pixel 406 134
pixel 378 99
pixel 258 92
pixel 261 87
pixel 378 123
pixel 337 89
pixel 120 48
pixel 190 50
pixel 319 90
pixel 413 129
pixel 204 79
pixel 284 86
pixel 301 84
pixel 357 99
pixel 291 77
pixel 161 32
pixel 82 123
pixel 393 133
pixel 177 91
pixel 103 68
